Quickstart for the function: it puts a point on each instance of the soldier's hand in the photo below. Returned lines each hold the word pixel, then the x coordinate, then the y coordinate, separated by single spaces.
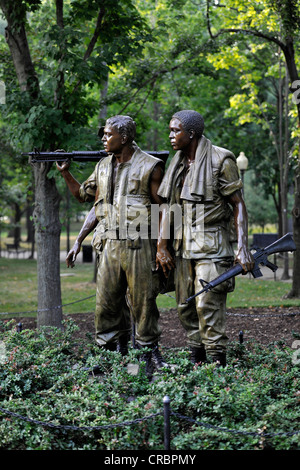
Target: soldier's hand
pixel 165 260
pixel 72 255
pixel 245 259
pixel 62 166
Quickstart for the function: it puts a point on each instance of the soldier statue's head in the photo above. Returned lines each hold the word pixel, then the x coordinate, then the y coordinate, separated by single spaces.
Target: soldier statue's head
pixel 124 125
pixel 190 120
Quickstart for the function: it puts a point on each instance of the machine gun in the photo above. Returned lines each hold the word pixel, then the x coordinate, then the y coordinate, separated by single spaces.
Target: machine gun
pixel 80 156
pixel 283 244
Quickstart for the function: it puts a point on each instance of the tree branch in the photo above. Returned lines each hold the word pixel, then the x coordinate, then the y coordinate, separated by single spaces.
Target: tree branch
pixel 60 13
pixel 287 48
pixel 93 41
pixel 249 32
pixel 16 38
pixel 150 80
pixel 60 75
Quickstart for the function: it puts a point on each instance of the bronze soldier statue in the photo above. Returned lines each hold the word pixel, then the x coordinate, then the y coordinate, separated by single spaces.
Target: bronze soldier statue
pixel 203 180
pixel 122 185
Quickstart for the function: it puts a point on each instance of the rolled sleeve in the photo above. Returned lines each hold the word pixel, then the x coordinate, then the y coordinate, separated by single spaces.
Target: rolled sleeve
pixel 229 180
pixel 88 189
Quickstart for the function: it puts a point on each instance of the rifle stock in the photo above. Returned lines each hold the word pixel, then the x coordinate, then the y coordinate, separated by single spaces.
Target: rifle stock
pixel 283 244
pixel 80 156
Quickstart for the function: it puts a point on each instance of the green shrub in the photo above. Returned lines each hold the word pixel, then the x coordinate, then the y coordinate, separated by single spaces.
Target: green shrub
pixel 45 379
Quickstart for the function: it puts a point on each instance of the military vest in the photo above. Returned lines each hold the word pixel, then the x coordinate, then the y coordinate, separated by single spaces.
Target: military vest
pixel 125 211
pixel 208 228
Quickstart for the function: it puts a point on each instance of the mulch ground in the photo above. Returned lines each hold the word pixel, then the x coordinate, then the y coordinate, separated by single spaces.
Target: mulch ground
pixel 263 325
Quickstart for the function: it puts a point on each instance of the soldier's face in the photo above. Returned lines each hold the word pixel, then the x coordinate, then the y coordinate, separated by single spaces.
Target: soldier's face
pixel 113 142
pixel 179 138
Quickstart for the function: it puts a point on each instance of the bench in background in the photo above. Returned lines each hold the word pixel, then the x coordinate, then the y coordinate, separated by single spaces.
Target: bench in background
pixel 14 249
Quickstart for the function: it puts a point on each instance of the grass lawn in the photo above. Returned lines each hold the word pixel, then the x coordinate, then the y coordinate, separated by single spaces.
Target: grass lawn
pixel 18 280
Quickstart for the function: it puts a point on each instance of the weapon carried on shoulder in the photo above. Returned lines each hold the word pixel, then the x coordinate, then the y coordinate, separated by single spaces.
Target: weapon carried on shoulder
pixel 283 244
pixel 80 156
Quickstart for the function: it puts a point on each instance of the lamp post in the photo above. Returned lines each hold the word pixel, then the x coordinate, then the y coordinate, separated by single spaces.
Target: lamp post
pixel 242 163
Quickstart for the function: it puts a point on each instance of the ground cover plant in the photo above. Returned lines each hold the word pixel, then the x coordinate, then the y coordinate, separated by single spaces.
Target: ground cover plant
pixel 45 378
pixel 49 401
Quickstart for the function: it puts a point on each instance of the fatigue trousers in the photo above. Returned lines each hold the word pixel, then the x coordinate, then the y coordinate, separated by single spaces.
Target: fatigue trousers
pixel 121 270
pixel 204 317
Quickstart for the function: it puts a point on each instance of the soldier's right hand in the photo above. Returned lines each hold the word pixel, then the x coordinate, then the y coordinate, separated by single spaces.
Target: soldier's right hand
pixel 62 166
pixel 165 260
pixel 72 255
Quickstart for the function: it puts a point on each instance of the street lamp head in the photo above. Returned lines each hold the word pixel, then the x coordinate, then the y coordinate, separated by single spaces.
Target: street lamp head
pixel 242 162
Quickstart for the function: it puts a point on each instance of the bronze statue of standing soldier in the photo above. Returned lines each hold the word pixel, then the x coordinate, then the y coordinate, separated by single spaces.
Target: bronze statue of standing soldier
pixel 203 180
pixel 122 184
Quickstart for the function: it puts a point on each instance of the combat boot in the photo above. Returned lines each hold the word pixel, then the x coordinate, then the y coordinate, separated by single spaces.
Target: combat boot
pixel 157 358
pixel 98 370
pixel 112 346
pixel 198 355
pixel 219 359
pixel 122 346
pixel 147 358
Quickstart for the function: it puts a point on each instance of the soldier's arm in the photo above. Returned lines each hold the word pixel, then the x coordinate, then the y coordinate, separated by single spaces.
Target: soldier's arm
pixel 72 183
pixel 163 256
pixel 244 256
pixel 89 225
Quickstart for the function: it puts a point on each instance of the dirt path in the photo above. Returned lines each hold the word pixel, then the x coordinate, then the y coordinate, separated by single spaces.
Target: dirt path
pixel 264 325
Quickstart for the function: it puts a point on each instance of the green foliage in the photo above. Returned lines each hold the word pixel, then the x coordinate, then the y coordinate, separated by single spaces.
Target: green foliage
pixel 158 57
pixel 71 64
pixel 251 293
pixel 289 11
pixel 260 205
pixel 76 58
pixel 45 377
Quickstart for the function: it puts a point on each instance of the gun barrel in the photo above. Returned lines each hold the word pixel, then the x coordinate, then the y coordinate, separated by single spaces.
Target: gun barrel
pixel 63 156
pixel 82 156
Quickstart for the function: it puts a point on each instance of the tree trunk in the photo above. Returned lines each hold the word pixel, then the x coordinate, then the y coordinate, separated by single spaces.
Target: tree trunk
pixel 283 164
pixel 46 212
pixel 296 230
pixel 19 49
pixel 293 75
pixel 285 274
pixel 290 60
pixel 17 224
pixel 30 226
pixel 48 229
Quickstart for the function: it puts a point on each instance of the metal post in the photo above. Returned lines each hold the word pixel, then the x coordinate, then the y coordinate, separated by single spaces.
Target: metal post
pixel 241 336
pixel 166 402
